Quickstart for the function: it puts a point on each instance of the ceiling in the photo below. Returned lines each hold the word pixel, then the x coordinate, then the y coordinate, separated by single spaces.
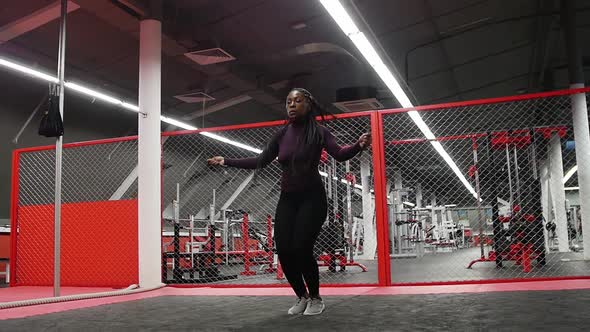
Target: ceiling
pixel 442 51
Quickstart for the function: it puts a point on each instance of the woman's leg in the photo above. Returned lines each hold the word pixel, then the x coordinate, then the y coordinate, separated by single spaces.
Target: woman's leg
pixel 285 220
pixel 310 218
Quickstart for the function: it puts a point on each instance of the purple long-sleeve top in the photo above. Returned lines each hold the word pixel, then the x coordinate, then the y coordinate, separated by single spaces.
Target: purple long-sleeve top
pixel 283 145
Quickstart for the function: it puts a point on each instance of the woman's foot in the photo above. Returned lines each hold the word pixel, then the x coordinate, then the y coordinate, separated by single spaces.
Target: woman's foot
pixel 315 306
pixel 299 306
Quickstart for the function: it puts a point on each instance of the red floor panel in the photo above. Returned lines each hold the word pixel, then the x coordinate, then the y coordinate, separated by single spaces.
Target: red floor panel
pixel 7 294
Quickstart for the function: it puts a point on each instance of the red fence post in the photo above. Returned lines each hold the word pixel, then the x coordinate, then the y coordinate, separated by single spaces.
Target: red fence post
pixel 383 260
pixel 14 215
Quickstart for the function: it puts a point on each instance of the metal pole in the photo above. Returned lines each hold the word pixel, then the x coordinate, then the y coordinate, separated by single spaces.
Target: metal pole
pixel 479 214
pixel 511 201
pixel 349 213
pixel 58 152
pixel 517 177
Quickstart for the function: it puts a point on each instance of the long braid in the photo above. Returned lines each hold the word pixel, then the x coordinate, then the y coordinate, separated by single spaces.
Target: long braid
pixel 312 134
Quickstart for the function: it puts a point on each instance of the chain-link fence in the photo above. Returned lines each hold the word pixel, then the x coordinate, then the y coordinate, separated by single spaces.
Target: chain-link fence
pixel 219 222
pixel 483 198
pixel 98 215
pixel 518 157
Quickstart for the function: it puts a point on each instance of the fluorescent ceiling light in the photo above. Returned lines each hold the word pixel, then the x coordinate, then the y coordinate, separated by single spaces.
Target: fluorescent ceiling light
pixel 451 205
pixel 28 71
pixel 409 204
pixel 177 123
pixel 340 15
pixel 113 100
pixel 438 147
pixel 92 93
pixel 364 46
pixel 345 22
pixel 572 188
pixel 570 173
pixel 228 141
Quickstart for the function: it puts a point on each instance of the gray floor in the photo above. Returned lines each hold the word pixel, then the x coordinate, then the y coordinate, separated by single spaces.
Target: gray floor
pixel 515 311
pixel 451 266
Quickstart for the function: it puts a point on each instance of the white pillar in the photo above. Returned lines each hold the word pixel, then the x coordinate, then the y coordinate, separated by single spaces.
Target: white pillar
pixel 369 231
pixel 397 186
pixel 149 160
pixel 545 201
pixel 418 196
pixel 399 207
pixel 434 219
pixel 558 192
pixel 582 137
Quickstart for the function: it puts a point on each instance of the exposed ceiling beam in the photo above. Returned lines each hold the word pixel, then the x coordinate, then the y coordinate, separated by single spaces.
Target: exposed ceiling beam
pixel 34 20
pixel 218 107
pixel 238 78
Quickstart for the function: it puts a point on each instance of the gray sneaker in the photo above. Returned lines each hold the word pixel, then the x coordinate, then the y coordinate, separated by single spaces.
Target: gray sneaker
pixel 299 306
pixel 314 307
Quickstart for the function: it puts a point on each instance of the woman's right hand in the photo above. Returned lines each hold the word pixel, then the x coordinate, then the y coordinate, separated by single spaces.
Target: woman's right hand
pixel 216 161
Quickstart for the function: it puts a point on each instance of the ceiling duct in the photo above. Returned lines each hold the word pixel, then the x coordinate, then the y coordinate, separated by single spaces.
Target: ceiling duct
pixel 209 56
pixel 194 97
pixel 357 99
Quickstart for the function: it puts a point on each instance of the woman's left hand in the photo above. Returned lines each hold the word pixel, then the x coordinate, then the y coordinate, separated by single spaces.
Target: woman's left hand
pixel 365 140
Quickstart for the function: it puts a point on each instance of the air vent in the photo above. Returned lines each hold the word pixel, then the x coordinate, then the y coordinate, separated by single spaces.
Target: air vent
pixel 209 56
pixel 194 97
pixel 359 105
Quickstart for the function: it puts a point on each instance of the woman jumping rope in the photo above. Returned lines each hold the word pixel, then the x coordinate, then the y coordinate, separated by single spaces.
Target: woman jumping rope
pixel 302 206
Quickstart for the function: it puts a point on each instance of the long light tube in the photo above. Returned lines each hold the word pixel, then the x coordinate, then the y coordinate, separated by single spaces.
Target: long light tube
pixel 346 24
pixel 570 173
pixel 363 42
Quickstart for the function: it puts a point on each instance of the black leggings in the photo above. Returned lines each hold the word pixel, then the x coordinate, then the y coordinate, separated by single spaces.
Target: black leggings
pixel 298 222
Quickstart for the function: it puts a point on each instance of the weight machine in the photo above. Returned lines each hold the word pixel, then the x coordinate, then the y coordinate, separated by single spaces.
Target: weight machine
pixel 339 239
pixel 203 254
pixel 517 235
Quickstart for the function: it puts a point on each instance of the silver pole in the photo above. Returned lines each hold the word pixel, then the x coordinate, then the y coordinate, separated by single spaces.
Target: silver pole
pixel 58 152
pixel 477 190
pixel 349 215
pixel 517 177
pixel 508 163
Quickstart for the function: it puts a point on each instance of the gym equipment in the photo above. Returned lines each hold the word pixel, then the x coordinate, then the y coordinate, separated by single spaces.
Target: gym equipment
pixel 517 236
pixel 409 233
pixel 336 243
pixel 202 255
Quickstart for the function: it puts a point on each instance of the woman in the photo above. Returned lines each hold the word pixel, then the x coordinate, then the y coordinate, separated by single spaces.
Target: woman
pixel 302 207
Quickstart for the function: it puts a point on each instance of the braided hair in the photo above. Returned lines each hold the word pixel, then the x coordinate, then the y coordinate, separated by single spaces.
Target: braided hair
pixel 313 135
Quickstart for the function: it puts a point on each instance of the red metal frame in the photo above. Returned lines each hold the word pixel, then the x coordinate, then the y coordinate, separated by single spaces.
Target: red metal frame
pixel 561 130
pixel 281 285
pixel 78 144
pixel 261 124
pixel 383 259
pixel 486 101
pixel 384 262
pixel 489 281
pixel 14 214
pixel 440 139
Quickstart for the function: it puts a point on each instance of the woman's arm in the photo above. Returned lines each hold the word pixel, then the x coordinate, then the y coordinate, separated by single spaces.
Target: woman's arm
pixel 266 157
pixel 338 152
